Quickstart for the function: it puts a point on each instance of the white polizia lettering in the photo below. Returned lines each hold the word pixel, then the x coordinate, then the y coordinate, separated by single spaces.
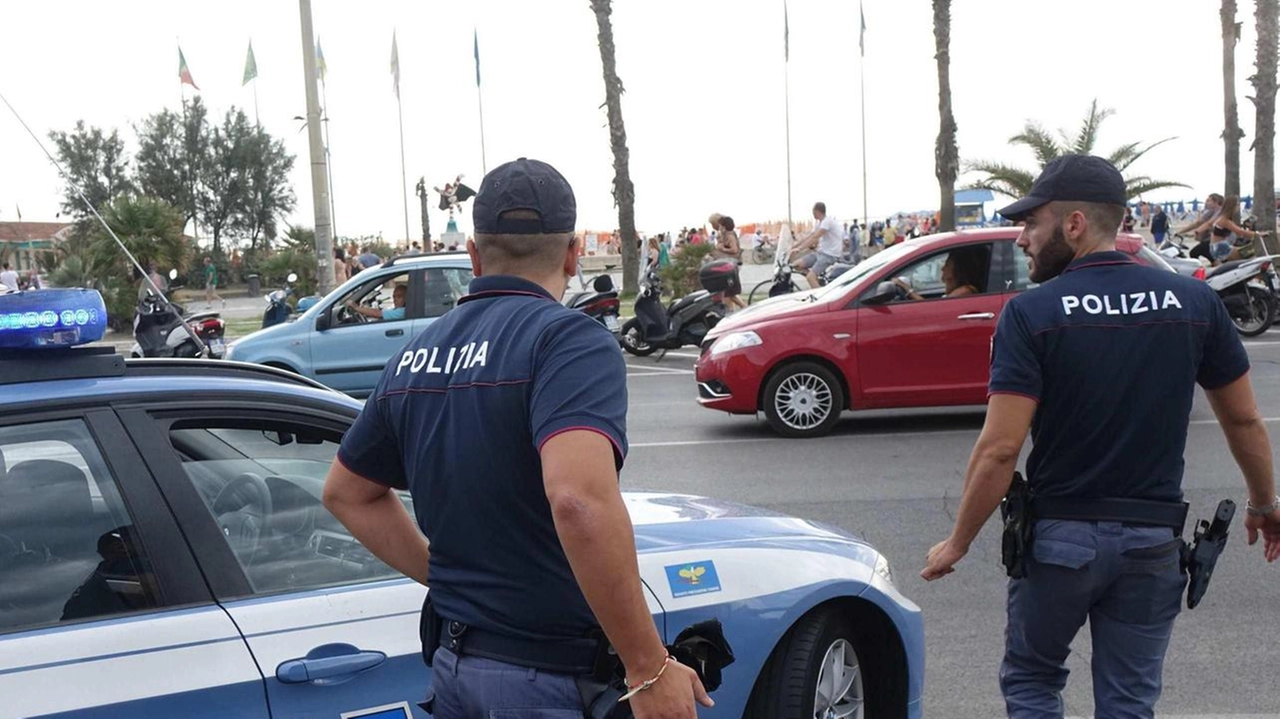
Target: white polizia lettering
pixel 434 360
pixel 1129 303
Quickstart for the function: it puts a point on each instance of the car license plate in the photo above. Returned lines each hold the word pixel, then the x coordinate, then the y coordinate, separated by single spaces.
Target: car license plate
pixel 217 347
pixel 611 322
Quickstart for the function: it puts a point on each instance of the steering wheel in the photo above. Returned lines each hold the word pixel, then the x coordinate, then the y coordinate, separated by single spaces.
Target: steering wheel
pixel 348 316
pixel 242 509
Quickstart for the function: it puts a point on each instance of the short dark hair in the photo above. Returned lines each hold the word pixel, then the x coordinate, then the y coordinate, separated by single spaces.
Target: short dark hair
pixel 1217 198
pixel 820 207
pixel 726 222
pixel 517 254
pixel 1103 219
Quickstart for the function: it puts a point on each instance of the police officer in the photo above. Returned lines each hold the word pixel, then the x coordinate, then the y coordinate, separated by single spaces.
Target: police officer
pixel 1101 365
pixel 506 421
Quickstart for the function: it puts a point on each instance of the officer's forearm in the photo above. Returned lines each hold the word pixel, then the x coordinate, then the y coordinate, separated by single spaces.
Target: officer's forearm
pixel 1252 450
pixel 379 522
pixel 986 482
pixel 596 533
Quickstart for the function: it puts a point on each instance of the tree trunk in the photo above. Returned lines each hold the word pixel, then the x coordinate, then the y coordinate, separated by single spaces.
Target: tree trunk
pixel 946 155
pixel 1267 17
pixel 1231 132
pixel 624 193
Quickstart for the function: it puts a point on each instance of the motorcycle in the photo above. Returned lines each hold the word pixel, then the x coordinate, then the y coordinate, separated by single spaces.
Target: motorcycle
pixel 278 308
pixel 685 321
pixel 599 303
pixel 1249 289
pixel 161 329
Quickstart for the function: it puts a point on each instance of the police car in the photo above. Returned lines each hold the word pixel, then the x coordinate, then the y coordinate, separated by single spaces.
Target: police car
pixel 164 552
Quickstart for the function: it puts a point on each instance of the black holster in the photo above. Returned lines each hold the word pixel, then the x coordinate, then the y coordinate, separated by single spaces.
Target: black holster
pixel 1201 556
pixel 429 630
pixel 1015 542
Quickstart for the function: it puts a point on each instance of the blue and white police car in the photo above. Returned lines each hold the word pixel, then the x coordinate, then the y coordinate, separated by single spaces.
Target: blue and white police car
pixel 164 552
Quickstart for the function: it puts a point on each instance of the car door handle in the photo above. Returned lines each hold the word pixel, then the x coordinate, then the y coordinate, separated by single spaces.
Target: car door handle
pixel 978 316
pixel 395 333
pixel 328 662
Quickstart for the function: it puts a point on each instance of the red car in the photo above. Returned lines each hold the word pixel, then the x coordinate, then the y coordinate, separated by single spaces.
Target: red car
pixel 864 342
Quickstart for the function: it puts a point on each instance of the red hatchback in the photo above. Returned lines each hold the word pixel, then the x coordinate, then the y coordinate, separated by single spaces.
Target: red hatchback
pixel 866 342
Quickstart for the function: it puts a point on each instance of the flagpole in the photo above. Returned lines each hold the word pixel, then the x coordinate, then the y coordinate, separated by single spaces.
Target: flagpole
pixel 256 121
pixel 404 186
pixel 786 84
pixel 862 92
pixel 484 165
pixel 328 160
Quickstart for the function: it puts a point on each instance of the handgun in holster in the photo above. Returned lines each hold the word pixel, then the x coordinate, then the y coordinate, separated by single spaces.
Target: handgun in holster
pixel 1200 557
pixel 1015 542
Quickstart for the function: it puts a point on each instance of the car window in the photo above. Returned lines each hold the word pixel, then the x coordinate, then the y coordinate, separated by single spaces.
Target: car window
pixel 382 300
pixel 442 286
pixel 956 272
pixel 261 482
pixel 1151 258
pixel 68 548
pixel 1021 272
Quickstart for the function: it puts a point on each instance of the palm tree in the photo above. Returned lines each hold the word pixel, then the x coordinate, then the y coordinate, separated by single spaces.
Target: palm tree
pixel 946 156
pixel 624 193
pixel 1016 182
pixel 1267 16
pixel 1231 132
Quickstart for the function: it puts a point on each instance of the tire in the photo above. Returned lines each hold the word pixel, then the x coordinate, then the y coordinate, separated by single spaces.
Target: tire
pixel 632 339
pixel 761 291
pixel 761 255
pixel 803 400
pixel 1264 306
pixel 797 681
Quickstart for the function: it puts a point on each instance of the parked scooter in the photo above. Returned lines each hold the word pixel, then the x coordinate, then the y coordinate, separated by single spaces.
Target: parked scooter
pixel 599 303
pixel 278 308
pixel 160 329
pixel 685 321
pixel 1249 290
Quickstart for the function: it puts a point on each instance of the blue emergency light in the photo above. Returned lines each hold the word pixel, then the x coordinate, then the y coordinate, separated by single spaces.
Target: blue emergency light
pixel 51 319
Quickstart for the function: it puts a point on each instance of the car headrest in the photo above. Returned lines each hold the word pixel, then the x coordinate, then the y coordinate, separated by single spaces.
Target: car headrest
pixel 48 492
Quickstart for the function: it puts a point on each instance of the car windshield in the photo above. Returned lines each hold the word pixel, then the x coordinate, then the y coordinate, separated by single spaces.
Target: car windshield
pixel 865 268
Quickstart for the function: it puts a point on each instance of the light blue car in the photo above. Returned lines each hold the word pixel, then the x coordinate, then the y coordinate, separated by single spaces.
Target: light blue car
pixel 345 339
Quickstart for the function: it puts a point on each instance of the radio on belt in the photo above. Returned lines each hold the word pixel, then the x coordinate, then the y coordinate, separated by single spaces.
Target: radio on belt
pixel 51 319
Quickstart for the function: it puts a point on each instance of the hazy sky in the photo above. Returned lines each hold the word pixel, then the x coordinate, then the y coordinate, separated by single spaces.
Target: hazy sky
pixel 703 108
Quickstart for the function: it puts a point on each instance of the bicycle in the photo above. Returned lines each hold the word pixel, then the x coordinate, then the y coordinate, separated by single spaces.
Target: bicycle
pixel 763 253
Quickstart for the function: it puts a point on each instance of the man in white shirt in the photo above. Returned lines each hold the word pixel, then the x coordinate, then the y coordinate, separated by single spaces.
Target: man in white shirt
pixel 823 246
pixel 9 278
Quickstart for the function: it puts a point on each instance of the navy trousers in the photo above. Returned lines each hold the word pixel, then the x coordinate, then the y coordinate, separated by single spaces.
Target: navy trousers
pixel 477 688
pixel 1127 581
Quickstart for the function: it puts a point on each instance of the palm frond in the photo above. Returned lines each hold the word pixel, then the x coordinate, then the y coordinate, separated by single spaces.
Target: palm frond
pixel 1004 179
pixel 1137 153
pixel 1138 186
pixel 1045 147
pixel 1123 156
pixel 1088 136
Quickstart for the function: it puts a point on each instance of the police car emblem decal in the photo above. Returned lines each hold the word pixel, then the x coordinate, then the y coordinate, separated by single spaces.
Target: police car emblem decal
pixel 692 578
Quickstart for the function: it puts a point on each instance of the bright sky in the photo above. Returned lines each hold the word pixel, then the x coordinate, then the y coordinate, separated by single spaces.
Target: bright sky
pixel 704 106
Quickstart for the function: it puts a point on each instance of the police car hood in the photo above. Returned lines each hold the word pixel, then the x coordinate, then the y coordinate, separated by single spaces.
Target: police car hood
pixel 670 521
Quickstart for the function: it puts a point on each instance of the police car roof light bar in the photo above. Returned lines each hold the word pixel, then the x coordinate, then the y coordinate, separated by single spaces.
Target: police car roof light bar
pixel 204 349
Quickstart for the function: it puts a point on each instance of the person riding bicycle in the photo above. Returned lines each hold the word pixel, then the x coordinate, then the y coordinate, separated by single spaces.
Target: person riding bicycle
pixel 1221 227
pixel 823 245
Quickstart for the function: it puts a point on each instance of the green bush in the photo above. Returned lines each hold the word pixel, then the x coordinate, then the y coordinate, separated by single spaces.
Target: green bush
pixel 681 276
pixel 276 268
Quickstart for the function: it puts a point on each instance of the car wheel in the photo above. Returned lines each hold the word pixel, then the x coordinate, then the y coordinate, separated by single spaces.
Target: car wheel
pixel 633 339
pixel 803 400
pixel 1261 313
pixel 814 673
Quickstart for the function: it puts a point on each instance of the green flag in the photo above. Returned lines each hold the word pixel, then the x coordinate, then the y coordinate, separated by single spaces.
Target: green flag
pixel 184 74
pixel 250 67
pixel 321 67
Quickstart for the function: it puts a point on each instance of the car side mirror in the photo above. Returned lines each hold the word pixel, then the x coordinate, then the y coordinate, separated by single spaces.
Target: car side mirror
pixel 884 292
pixel 322 322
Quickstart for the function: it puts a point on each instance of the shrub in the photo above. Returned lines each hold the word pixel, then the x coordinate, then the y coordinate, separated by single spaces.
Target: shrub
pixel 681 276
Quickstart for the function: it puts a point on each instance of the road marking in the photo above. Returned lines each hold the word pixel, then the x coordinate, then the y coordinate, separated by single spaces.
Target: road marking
pixel 1261 344
pixel 1210 716
pixel 1214 421
pixel 666 373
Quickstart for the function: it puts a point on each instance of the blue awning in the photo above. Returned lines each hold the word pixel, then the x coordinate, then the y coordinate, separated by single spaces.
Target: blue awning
pixel 973 197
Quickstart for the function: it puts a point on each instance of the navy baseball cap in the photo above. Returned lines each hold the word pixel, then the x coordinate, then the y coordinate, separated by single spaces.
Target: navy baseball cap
pixel 524 185
pixel 1072 178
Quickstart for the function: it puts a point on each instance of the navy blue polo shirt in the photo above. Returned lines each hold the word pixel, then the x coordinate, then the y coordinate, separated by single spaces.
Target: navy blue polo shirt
pixel 458 419
pixel 1112 351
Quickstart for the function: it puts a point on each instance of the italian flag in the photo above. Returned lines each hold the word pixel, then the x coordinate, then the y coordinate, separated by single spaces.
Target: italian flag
pixel 184 73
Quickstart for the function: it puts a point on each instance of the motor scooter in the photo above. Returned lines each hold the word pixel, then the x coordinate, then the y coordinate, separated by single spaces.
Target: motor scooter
pixel 278 308
pixel 161 329
pixel 1249 289
pixel 599 303
pixel 685 321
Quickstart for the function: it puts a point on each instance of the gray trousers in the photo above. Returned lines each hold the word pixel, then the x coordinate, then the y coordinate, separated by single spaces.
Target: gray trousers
pixel 477 688
pixel 1127 581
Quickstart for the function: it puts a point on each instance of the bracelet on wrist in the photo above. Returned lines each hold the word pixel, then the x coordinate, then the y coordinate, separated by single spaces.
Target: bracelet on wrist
pixel 1262 511
pixel 634 689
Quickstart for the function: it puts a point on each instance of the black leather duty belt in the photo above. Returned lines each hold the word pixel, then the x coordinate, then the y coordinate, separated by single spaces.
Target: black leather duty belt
pixel 562 656
pixel 1126 511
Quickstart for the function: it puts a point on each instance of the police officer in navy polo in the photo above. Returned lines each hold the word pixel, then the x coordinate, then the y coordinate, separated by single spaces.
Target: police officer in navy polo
pixel 1101 364
pixel 506 421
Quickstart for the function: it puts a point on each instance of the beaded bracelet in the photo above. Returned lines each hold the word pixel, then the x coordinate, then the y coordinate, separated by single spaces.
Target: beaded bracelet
pixel 634 689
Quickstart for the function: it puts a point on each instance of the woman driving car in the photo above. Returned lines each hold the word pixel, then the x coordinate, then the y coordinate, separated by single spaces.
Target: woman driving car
pixel 961 275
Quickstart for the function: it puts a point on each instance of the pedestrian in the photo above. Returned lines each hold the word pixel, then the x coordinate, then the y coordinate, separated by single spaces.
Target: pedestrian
pixel 1126 224
pixel 34 280
pixel 506 421
pixel 211 284
pixel 156 286
pixel 727 247
pixel 1101 364
pixel 341 272
pixel 820 248
pixel 9 278
pixel 368 258
pixel 1159 225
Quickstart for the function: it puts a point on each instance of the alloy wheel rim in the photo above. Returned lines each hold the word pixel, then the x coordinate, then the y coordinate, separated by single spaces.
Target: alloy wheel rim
pixel 803 401
pixel 838 694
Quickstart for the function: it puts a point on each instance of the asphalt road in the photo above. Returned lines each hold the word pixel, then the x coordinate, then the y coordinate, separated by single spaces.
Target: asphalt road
pixel 894 478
